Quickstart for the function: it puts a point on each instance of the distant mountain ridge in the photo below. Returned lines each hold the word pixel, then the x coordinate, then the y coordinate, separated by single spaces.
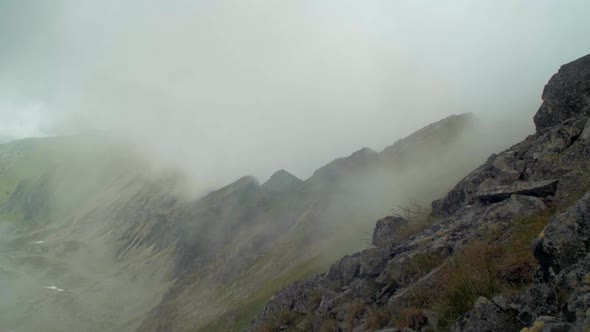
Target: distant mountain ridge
pixel 172 263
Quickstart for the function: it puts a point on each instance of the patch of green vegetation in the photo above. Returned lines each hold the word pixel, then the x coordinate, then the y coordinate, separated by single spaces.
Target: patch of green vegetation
pixel 22 160
pixel 240 318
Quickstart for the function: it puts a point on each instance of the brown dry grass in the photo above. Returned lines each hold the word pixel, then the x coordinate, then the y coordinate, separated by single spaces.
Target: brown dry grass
pixel 315 299
pixel 355 310
pixel 422 263
pixel 418 216
pixel 503 262
pixel 413 318
pixel 284 317
pixel 377 318
pixel 329 325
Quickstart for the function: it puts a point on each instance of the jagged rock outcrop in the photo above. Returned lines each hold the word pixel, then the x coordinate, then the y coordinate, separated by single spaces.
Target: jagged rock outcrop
pixel 386 230
pixel 567 94
pixel 489 316
pixel 566 240
pixel 382 276
pixel 497 193
pixel 556 154
pixel 545 172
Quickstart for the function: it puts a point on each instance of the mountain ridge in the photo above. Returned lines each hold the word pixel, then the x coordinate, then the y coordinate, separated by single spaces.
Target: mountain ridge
pixel 497 247
pixel 187 263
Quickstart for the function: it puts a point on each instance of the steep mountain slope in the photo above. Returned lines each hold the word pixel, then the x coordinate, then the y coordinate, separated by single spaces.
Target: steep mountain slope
pixel 471 266
pixel 295 232
pixel 126 249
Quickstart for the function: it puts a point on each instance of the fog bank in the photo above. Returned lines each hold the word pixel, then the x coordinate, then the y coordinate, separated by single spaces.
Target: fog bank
pixel 224 89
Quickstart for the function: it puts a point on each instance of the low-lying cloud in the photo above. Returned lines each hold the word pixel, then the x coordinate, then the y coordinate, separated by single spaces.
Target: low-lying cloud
pixel 230 88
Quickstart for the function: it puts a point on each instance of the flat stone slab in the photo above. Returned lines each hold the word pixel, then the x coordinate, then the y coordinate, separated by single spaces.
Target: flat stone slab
pixel 542 188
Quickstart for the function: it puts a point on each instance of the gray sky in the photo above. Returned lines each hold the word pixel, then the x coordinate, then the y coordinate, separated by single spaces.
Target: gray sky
pixel 227 88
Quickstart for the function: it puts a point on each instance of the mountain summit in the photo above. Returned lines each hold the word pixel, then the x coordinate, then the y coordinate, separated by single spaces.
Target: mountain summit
pixel 280 181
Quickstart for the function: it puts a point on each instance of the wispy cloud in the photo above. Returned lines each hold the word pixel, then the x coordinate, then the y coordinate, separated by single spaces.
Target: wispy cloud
pixel 228 88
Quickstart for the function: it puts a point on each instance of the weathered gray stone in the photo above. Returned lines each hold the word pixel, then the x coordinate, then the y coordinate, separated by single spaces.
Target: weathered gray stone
pixel 538 300
pixel 566 95
pixel 295 297
pixel 373 261
pixel 344 270
pixel 486 316
pixel 566 239
pixel 585 135
pixel 386 230
pixel 559 327
pixel 531 188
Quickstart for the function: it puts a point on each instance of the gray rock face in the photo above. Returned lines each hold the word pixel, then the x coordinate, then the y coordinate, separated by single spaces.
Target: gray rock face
pixel 530 168
pixel 559 300
pixel 386 230
pixel 566 95
pixel 386 276
pixel 281 181
pixel 487 316
pixel 566 239
pixel 533 188
pixel 345 270
pixel 547 168
pixel 294 297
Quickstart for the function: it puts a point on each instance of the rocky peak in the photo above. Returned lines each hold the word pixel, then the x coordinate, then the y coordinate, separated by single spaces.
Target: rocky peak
pixel 341 167
pixel 441 131
pixel 386 230
pixel 243 185
pixel 417 146
pixel 281 181
pixel 566 95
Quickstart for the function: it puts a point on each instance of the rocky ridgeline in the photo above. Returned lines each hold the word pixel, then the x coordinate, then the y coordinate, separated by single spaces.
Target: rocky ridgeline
pixel 544 177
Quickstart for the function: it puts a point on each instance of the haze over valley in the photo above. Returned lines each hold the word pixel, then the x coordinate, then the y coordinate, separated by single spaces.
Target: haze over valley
pixel 205 166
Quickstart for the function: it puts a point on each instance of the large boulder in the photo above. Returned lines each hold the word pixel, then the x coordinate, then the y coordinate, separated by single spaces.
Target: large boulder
pixel 566 239
pixel 488 316
pixel 344 271
pixel 566 95
pixel 386 230
pixel 562 289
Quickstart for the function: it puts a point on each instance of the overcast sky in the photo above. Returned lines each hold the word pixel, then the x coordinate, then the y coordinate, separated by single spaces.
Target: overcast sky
pixel 226 88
